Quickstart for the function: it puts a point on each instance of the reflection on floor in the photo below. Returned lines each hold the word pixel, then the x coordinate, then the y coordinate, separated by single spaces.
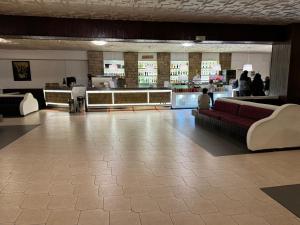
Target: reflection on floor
pixel 125 168
pixel 288 196
pixel 8 134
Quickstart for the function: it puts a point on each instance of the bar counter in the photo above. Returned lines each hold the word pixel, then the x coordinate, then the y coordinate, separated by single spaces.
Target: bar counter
pixel 116 97
pixel 57 96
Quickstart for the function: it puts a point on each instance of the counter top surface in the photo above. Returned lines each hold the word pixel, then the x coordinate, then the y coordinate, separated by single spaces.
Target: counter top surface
pixel 125 89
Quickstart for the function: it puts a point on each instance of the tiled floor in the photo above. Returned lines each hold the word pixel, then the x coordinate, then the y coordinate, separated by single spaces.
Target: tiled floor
pixel 135 168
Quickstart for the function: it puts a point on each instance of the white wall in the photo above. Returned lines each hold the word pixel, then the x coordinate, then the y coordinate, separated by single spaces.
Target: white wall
pixel 46 66
pixel 261 62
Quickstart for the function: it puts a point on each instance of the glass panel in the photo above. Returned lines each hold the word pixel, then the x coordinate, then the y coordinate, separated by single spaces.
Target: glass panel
pixel 114 68
pixel 147 73
pixel 179 71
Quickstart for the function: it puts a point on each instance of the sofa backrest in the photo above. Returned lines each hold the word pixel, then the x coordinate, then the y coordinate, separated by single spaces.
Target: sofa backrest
pixel 253 112
pixel 227 107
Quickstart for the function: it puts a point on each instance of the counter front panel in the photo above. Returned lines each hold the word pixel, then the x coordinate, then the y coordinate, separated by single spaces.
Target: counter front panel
pixel 128 97
pixel 100 98
pixel 57 97
pixel 160 97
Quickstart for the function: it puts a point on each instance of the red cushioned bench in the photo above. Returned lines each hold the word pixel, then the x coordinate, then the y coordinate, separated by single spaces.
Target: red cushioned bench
pixel 242 116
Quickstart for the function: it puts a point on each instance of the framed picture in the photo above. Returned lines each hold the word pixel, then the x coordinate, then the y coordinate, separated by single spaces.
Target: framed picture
pixel 21 70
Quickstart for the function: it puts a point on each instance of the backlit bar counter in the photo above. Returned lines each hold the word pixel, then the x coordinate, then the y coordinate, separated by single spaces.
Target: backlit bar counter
pixel 101 98
pixel 57 96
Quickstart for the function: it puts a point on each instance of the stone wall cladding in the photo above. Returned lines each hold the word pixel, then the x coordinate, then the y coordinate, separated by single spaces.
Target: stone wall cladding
pixel 225 61
pixel 95 63
pixel 131 69
pixel 163 68
pixel 195 59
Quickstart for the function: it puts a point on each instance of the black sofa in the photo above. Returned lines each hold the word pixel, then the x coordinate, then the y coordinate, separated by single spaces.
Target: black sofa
pixel 37 93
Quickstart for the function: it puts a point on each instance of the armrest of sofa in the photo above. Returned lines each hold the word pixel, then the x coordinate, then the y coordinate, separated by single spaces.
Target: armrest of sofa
pixel 280 130
pixel 28 105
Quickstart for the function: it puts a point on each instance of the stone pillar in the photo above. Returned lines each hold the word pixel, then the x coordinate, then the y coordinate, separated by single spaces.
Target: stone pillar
pixel 195 59
pixel 280 69
pixel 95 63
pixel 131 69
pixel 225 61
pixel 163 68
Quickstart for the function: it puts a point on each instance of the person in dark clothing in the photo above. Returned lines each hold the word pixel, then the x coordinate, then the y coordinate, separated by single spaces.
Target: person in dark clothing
pixel 245 84
pixel 257 86
pixel 267 86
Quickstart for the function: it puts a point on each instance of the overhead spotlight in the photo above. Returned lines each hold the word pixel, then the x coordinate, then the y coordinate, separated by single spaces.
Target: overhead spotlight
pixel 99 42
pixel 2 40
pixel 187 44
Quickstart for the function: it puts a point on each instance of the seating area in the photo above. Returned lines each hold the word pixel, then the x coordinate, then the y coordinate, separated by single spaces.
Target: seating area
pixel 246 119
pixel 240 115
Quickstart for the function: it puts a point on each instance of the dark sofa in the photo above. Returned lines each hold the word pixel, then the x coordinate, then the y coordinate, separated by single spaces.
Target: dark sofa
pixel 37 93
pixel 242 116
pixel 10 106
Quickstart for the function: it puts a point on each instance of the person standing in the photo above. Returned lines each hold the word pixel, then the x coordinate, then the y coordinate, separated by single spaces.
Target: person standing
pixel 257 88
pixel 245 84
pixel 211 89
pixel 267 86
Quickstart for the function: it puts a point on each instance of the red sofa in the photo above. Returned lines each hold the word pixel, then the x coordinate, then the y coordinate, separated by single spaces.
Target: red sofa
pixel 242 116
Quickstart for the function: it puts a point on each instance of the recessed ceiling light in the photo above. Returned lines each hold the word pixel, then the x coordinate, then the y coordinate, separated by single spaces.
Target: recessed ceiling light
pixel 187 44
pixel 2 40
pixel 99 42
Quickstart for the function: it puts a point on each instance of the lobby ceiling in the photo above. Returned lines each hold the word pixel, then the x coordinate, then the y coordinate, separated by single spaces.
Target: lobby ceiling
pixel 123 46
pixel 215 11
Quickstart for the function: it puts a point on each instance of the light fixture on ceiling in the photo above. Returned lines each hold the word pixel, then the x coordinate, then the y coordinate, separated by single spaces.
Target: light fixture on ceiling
pixel 99 42
pixel 187 44
pixel 2 40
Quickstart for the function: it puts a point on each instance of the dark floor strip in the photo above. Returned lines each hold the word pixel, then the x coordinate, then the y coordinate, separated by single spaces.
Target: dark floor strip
pixel 9 134
pixel 216 142
pixel 288 196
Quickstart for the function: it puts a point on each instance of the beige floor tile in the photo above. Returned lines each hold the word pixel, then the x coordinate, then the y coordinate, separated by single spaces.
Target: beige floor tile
pixel 86 189
pixel 15 187
pixel 218 219
pixel 38 188
pixel 89 202
pixel 11 200
pixel 124 218
pixel 135 191
pixel 230 207
pixel 136 160
pixel 63 217
pixel 111 190
pixel 276 219
pixel 61 189
pixel 155 218
pixel 105 180
pixel 35 201
pixel 144 204
pixel 32 216
pixel 82 179
pixel 9 215
pixel 94 217
pixel 249 219
pixel 200 205
pixel 62 202
pixel 186 218
pixel 116 203
pixel 168 205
